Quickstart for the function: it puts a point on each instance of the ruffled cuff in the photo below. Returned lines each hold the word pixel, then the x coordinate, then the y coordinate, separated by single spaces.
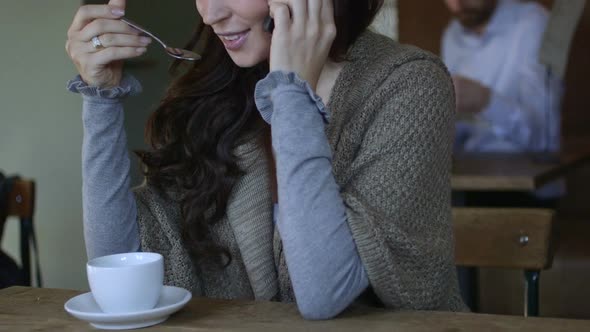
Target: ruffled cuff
pixel 129 86
pixel 266 87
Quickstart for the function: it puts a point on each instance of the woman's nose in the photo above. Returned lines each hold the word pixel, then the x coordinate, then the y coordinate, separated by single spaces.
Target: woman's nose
pixel 213 11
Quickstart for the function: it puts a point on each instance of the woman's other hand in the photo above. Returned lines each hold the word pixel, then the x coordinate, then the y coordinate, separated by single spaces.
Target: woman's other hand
pixel 103 66
pixel 303 35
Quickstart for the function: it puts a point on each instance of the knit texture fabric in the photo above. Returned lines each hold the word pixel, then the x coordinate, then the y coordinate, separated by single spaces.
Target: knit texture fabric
pixel 391 128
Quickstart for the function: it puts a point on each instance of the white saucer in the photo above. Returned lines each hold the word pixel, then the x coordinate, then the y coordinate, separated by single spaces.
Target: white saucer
pixel 85 308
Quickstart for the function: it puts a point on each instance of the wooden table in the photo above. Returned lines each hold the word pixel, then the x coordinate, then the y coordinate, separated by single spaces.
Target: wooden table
pixel 27 309
pixel 511 172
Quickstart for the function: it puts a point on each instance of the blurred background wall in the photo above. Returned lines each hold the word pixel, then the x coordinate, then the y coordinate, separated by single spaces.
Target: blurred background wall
pixel 40 122
pixel 40 131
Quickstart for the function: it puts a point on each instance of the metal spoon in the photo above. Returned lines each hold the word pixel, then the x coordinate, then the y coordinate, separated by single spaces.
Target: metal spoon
pixel 172 51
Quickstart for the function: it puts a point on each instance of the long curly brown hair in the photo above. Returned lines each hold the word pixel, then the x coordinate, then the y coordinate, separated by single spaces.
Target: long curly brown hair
pixel 209 110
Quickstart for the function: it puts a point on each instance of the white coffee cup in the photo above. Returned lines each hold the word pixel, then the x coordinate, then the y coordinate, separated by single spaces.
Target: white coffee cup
pixel 124 283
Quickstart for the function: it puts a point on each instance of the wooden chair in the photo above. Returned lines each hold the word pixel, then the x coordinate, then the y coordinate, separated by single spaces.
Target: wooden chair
pixel 506 238
pixel 21 204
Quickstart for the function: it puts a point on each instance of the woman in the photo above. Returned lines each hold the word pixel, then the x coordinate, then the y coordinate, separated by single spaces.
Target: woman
pixel 328 206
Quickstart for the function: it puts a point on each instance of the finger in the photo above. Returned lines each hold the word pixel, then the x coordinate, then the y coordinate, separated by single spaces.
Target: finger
pixel 110 54
pixel 118 40
pixel 87 14
pixel 281 14
pixel 328 24
pixel 327 13
pixel 297 9
pixel 122 40
pixel 118 3
pixel 314 8
pixel 299 12
pixel 102 26
pixel 76 49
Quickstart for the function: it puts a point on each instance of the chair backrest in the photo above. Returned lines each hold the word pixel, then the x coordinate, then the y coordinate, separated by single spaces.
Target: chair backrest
pixel 21 200
pixel 20 203
pixel 503 238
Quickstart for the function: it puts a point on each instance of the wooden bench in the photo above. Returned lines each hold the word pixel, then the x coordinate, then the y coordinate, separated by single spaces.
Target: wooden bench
pixel 506 238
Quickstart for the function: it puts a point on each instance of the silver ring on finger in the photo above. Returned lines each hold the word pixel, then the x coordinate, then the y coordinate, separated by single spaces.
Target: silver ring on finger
pixel 96 43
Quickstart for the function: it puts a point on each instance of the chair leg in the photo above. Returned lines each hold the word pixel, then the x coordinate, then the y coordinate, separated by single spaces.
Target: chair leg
pixel 531 296
pixel 468 286
pixel 25 250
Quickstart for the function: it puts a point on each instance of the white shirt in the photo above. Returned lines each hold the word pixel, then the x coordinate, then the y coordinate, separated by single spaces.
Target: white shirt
pixel 524 111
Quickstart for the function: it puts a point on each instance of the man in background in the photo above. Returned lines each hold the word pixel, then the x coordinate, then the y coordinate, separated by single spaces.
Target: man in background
pixel 507 101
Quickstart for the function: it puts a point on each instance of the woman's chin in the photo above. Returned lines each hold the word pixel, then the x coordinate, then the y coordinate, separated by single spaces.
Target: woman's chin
pixel 246 60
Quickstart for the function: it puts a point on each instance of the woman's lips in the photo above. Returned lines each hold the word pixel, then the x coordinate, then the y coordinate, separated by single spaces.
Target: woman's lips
pixel 235 41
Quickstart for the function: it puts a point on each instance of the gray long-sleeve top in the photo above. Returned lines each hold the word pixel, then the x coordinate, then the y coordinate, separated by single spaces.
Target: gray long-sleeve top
pixel 324 266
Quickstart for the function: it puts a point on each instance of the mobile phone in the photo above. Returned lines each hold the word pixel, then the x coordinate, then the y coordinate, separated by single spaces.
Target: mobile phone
pixel 269 24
